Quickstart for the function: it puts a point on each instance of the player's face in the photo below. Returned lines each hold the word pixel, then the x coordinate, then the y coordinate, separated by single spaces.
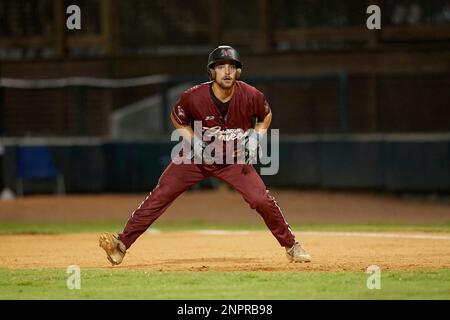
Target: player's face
pixel 225 75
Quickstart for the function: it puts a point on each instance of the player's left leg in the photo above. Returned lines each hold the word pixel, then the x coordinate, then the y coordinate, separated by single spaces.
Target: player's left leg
pixel 254 192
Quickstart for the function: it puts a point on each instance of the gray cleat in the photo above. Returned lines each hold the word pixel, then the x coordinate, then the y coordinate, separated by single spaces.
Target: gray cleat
pixel 297 254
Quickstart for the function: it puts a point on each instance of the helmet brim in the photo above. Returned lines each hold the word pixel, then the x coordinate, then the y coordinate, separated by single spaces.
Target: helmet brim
pixel 212 64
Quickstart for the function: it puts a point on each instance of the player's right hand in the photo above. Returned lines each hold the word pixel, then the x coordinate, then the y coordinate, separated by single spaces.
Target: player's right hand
pixel 197 148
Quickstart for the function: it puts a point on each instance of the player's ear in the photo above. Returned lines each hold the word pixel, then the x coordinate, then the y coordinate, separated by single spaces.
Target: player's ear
pixel 212 74
pixel 238 73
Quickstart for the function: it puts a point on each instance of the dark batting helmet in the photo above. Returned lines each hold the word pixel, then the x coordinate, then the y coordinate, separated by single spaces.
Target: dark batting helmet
pixel 222 54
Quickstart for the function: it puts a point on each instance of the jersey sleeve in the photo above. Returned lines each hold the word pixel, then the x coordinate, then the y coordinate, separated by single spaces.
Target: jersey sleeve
pixel 180 111
pixel 262 106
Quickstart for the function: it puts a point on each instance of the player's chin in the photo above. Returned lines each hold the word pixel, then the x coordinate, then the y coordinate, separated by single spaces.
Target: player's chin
pixel 227 84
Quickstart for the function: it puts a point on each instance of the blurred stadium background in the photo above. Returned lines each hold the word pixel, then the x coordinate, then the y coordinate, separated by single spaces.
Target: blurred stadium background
pixel 364 116
pixel 357 109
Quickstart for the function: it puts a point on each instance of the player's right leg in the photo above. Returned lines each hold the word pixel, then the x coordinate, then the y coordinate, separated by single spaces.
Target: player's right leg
pixel 174 181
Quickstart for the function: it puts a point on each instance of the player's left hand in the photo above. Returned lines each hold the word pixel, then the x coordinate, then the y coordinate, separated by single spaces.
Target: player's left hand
pixel 252 149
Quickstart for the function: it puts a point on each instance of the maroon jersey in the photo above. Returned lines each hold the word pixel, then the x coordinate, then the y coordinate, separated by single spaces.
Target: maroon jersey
pixel 196 104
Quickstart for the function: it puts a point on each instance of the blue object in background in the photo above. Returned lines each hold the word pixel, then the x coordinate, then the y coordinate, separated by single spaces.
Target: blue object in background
pixel 36 162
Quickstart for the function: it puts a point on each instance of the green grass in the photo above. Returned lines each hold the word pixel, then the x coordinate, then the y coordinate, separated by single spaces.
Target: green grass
pixel 83 227
pixel 58 227
pixel 119 284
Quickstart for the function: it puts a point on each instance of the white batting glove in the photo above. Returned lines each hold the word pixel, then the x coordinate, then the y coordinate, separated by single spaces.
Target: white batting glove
pixel 197 149
pixel 253 148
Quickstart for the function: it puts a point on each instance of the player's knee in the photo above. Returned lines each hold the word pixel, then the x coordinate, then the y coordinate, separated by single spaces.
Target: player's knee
pixel 161 194
pixel 259 202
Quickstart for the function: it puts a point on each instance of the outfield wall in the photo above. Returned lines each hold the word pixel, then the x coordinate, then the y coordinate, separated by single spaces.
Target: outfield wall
pixel 380 162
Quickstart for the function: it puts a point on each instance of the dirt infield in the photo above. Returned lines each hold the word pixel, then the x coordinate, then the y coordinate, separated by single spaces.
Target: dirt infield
pixel 232 251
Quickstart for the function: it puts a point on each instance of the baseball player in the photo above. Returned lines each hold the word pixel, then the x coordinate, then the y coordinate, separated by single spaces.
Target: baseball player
pixel 226 104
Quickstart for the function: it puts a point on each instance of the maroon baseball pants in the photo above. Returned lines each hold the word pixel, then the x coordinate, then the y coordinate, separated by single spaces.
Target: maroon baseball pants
pixel 178 178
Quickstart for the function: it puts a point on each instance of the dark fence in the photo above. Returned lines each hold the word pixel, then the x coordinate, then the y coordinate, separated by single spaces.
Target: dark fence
pixel 81 106
pixel 326 103
pixel 376 162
